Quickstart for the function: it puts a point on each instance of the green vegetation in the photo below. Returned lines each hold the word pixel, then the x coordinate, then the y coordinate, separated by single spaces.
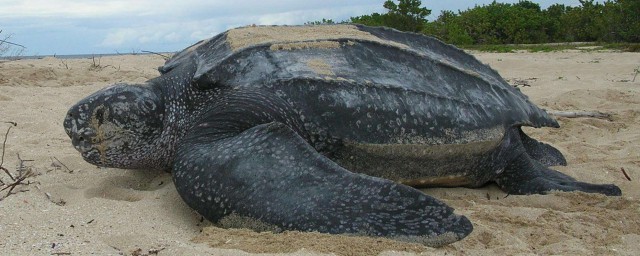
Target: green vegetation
pixel 320 22
pixel 407 15
pixel 526 23
pixel 614 24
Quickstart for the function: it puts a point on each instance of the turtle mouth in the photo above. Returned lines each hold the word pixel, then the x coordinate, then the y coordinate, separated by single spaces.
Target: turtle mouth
pixel 91 142
pixel 93 156
pixel 87 140
pixel 91 147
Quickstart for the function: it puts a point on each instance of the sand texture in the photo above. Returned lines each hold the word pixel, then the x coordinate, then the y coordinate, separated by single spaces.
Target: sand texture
pixel 73 207
pixel 289 37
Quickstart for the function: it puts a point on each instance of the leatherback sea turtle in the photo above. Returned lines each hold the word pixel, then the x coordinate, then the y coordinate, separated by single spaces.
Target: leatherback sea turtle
pixel 321 128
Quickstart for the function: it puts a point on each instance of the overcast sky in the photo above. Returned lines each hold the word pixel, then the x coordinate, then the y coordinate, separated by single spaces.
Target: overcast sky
pixel 60 27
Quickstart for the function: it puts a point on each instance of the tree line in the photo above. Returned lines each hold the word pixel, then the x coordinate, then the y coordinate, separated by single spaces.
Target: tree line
pixel 524 22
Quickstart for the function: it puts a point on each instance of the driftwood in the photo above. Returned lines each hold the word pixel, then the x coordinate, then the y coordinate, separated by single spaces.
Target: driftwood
pixel 4 41
pixel 24 172
pixel 576 114
pixel 165 57
pixel 6 135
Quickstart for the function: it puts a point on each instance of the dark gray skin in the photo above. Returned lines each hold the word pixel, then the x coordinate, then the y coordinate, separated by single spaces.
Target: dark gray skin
pixel 255 134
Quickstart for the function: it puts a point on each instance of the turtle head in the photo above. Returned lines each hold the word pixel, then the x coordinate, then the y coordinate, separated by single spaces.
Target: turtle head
pixel 117 126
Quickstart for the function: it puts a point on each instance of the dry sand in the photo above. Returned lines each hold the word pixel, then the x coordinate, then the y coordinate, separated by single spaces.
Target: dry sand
pixel 80 209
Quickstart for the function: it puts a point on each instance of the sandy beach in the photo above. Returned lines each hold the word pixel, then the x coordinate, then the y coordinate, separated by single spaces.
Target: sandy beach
pixel 73 208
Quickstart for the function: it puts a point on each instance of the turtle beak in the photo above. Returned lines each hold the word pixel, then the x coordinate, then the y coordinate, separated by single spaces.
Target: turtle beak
pixel 70 125
pixel 80 135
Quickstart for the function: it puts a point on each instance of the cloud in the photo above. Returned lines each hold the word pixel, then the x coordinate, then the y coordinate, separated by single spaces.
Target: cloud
pixel 119 37
pixel 192 29
pixel 122 25
pixel 182 8
pixel 152 35
pixel 301 16
pixel 69 9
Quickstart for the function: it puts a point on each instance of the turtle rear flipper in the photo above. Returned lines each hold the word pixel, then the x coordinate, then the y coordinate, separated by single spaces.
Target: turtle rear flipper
pixel 269 174
pixel 524 175
pixel 542 152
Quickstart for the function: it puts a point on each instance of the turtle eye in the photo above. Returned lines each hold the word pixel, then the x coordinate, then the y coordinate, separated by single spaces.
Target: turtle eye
pixel 147 106
pixel 100 116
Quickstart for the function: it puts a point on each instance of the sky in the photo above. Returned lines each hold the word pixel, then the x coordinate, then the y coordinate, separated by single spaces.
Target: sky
pixel 65 27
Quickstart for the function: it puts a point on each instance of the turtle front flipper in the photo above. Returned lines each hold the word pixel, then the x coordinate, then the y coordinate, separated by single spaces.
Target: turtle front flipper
pixel 269 174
